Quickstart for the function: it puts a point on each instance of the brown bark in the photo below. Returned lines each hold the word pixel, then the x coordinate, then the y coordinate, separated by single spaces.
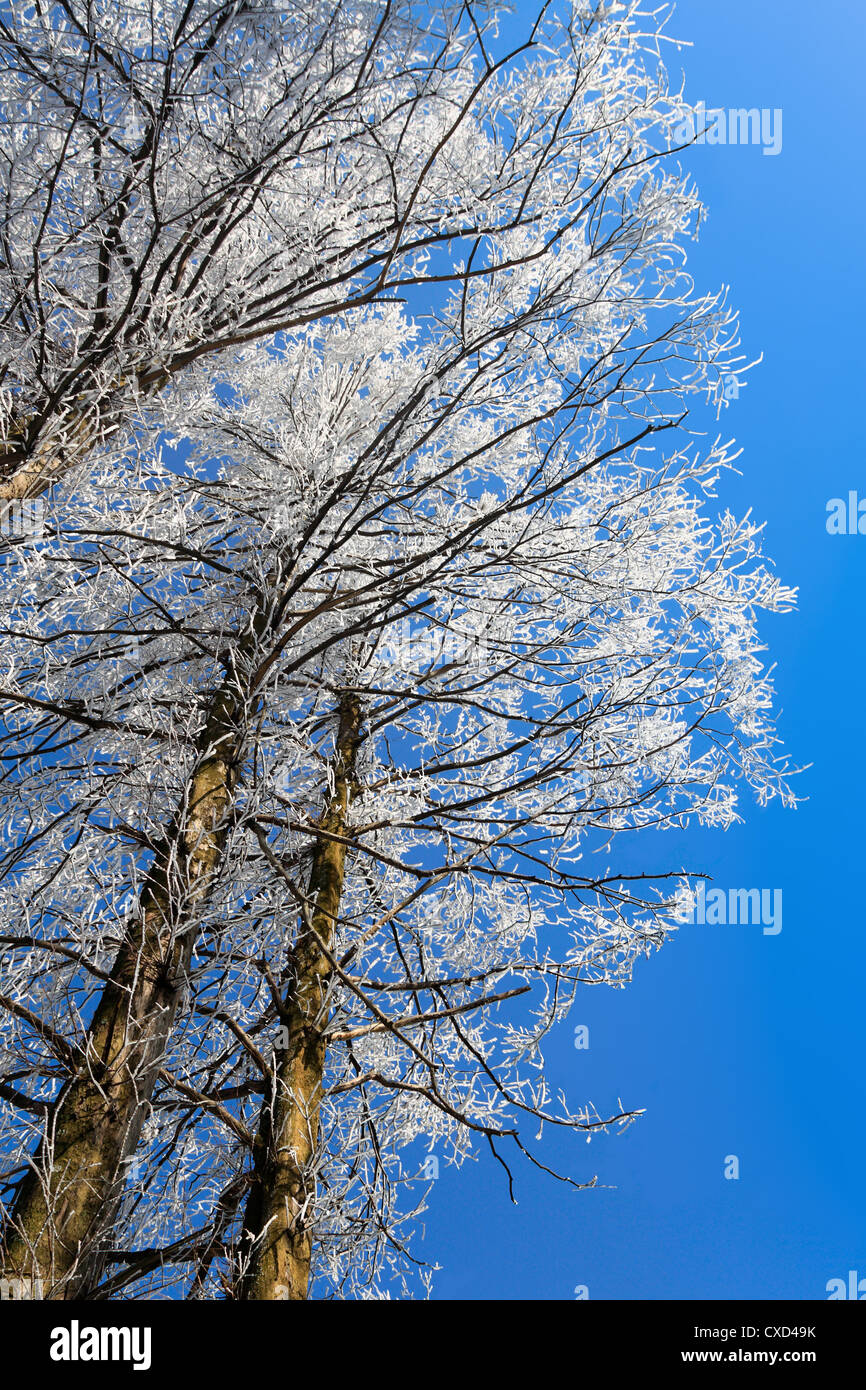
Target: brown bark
pixel 69 1197
pixel 283 1185
pixel 29 474
pixel 40 451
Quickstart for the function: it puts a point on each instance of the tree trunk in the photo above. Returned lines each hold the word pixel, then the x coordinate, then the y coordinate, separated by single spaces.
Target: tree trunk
pixel 68 1198
pixel 30 466
pixel 277 1227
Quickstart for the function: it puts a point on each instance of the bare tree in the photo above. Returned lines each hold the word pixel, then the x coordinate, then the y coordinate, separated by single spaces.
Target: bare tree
pixel 310 729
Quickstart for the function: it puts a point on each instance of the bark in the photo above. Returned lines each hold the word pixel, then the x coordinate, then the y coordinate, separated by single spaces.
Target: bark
pixel 40 451
pixel 67 1201
pixel 277 1225
pixel 29 473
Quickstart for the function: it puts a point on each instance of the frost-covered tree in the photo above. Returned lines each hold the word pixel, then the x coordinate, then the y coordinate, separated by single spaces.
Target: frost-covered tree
pixel 186 177
pixel 182 178
pixel 340 651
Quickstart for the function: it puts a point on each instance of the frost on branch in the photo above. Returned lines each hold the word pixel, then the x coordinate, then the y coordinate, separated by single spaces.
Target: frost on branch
pixel 386 591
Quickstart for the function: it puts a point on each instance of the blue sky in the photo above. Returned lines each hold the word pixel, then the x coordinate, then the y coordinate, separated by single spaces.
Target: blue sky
pixel 736 1042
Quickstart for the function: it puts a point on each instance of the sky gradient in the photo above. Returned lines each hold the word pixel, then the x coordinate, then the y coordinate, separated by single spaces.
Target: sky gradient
pixel 736 1042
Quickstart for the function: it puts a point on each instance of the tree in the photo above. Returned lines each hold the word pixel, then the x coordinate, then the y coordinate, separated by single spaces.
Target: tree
pixel 310 727
pixel 183 179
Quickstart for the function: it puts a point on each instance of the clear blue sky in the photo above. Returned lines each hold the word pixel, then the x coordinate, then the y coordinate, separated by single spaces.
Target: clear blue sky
pixel 736 1042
